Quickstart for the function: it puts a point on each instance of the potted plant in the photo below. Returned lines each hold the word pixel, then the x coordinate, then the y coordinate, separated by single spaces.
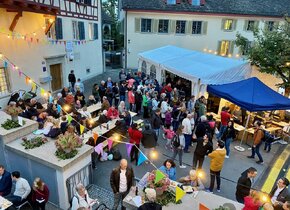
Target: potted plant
pixel 33 142
pixel 13 111
pixel 67 145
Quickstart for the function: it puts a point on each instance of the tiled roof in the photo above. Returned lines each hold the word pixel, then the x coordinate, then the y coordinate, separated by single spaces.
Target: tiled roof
pixel 239 7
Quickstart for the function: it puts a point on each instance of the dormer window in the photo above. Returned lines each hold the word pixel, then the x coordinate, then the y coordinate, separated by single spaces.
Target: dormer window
pixel 196 2
pixel 171 1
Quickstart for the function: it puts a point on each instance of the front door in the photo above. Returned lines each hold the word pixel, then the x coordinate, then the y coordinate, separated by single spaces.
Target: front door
pixel 56 74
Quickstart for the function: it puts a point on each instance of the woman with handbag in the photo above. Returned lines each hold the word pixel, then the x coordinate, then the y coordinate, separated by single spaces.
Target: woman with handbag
pixel 40 194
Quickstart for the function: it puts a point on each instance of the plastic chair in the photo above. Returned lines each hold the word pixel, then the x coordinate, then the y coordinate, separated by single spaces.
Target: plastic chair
pixel 25 202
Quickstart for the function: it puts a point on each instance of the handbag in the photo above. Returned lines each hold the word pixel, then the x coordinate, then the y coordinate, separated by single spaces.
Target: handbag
pixel 216 131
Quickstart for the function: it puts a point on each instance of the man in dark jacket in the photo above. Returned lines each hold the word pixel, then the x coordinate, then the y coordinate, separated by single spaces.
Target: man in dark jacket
pixel 156 121
pixel 280 194
pixel 5 182
pixel 72 80
pixel 122 91
pixel 121 180
pixel 203 148
pixel 202 128
pixel 149 139
pixel 244 184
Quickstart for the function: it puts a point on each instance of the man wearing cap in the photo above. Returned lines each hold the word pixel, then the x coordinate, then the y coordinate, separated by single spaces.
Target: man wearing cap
pixel 151 204
pixel 280 194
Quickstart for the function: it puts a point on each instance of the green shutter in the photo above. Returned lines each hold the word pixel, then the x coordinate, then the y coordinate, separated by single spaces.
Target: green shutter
pixel 219 47
pixel 81 27
pixel 188 27
pixel 223 24
pixel 154 25
pixel 96 31
pixel 246 25
pixel 204 27
pixel 58 28
pixel 172 26
pixel 138 25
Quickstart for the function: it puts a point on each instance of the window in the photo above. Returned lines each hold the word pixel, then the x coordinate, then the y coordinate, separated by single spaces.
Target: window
pixel 171 1
pixel 250 25
pixel 247 48
pixel 55 31
pixel 78 30
pixel 196 27
pixel 270 25
pixel 144 67
pixel 180 27
pixel 163 26
pixel 228 24
pixel 146 25
pixel 93 31
pixel 51 33
pixel 152 72
pixel 225 47
pixel 4 84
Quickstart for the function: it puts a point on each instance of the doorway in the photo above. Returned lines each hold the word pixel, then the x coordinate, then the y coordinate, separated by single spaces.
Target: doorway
pixel 56 74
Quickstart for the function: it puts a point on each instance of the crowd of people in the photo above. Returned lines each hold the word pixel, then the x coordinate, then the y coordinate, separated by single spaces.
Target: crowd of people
pixel 167 112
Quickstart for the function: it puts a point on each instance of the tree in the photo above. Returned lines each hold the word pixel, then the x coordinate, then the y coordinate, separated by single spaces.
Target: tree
pixel 110 7
pixel 270 52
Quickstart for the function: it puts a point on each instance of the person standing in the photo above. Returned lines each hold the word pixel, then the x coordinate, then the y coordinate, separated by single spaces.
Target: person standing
pixel 81 199
pixel 116 94
pixel 187 131
pixel 149 140
pixel 145 105
pixel 245 183
pixel 216 164
pixel 178 144
pixel 22 189
pixel 95 93
pixel 191 104
pixel 258 136
pixel 225 118
pixel 138 101
pixel 131 99
pixel 280 194
pixel 72 80
pixel 102 90
pixel 40 194
pixel 135 136
pixel 79 85
pixel 122 91
pixel 228 136
pixel 203 148
pixel 122 76
pixel 156 122
pixel 121 180
pixel 164 109
pixel 5 182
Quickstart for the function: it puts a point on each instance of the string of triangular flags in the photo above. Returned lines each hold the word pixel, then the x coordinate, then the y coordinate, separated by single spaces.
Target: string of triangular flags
pixel 99 148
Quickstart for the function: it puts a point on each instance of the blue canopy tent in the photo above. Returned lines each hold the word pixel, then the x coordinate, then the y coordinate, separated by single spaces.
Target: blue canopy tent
pixel 252 95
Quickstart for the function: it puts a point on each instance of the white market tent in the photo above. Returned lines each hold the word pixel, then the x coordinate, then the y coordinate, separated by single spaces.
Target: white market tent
pixel 200 68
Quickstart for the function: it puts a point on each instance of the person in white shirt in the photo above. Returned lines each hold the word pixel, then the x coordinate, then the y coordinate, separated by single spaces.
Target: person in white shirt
pixel 187 131
pixel 82 199
pixel 164 108
pixel 280 194
pixel 22 189
pixel 79 85
pixel 121 180
pixel 191 104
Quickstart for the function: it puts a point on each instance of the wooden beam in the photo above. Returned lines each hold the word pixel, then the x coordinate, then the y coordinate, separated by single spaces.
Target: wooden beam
pixel 9 2
pixel 48 27
pixel 15 20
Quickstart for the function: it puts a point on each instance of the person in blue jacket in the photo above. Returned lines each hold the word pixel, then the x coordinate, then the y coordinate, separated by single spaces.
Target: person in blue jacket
pixel 5 182
pixel 169 168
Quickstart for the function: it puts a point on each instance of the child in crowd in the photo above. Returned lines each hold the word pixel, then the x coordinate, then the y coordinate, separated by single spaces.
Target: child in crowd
pixel 169 134
pixel 63 124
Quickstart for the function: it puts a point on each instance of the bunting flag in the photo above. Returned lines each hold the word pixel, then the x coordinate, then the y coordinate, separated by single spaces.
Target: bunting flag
pixel 42 91
pixel 129 148
pixel 20 73
pixel 203 207
pixel 158 176
pixel 5 64
pixel 58 108
pixel 27 79
pixel 33 87
pixel 95 136
pixel 82 128
pixel 179 193
pixel 50 99
pixel 141 158
pixel 110 143
pixel 99 148
pixel 69 119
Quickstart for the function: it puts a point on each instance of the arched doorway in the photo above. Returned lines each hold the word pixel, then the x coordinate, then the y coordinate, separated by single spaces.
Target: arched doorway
pixel 144 67
pixel 153 72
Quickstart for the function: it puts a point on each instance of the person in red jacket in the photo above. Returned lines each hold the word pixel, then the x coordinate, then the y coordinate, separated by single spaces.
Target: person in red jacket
pixel 113 113
pixel 252 202
pixel 131 98
pixel 40 194
pixel 135 136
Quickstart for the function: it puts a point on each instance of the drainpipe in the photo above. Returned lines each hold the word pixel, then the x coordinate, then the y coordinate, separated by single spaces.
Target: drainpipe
pixel 125 40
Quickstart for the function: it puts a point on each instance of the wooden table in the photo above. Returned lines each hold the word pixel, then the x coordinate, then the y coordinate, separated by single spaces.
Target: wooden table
pixel 281 124
pixel 94 107
pixel 4 203
pixel 238 127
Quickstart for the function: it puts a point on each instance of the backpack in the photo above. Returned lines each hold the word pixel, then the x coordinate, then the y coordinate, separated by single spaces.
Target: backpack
pixel 268 137
pixel 116 154
pixel 175 142
pixel 71 200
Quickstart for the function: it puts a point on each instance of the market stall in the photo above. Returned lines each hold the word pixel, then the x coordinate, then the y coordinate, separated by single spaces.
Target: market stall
pixel 199 68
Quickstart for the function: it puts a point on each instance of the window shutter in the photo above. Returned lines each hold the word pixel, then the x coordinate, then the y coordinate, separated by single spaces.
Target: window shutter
pixel 172 26
pixel 137 25
pixel 96 31
pixel 58 28
pixel 188 27
pixel 81 26
pixel 219 47
pixel 232 45
pixel 246 25
pixel 204 27
pixel 223 24
pixel 154 25
pixel 234 25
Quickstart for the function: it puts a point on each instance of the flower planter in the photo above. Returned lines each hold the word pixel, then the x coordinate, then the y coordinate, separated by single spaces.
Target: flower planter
pixel 14 118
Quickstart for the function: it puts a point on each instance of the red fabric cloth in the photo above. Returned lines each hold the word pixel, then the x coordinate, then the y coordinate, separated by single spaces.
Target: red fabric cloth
pixel 225 117
pixel 135 136
pixel 131 97
pixel 40 194
pixel 112 114
pixel 250 205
